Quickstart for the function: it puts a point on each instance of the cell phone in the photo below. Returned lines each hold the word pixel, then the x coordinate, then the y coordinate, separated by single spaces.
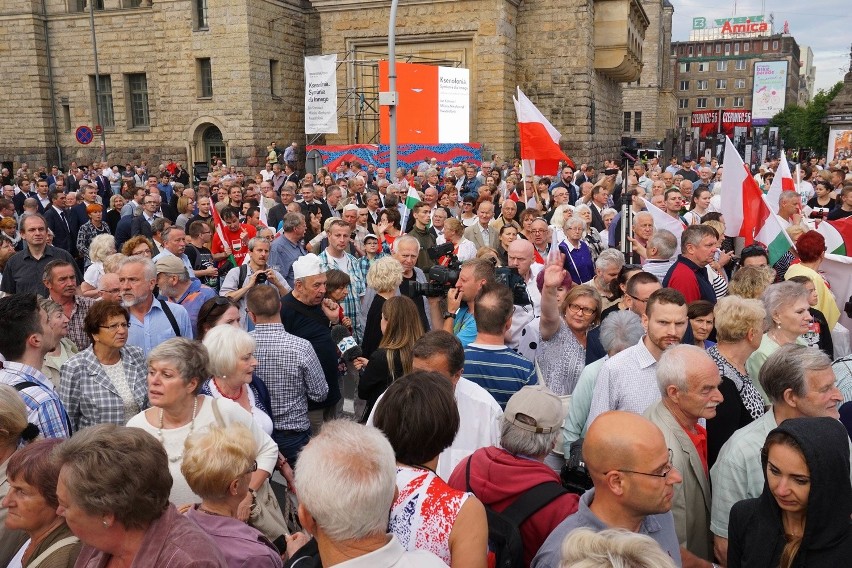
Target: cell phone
pixel 611 171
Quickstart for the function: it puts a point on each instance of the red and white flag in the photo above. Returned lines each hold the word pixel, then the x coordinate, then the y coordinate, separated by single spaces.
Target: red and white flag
pixel 783 181
pixel 745 209
pixel 540 149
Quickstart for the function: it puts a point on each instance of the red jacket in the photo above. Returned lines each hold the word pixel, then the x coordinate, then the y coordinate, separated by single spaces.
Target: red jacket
pixel 498 477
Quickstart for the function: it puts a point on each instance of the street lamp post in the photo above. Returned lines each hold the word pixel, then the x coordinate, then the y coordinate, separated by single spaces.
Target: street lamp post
pixel 97 80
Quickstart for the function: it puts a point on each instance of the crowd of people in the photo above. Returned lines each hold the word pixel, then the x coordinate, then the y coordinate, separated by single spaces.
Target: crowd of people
pixel 357 367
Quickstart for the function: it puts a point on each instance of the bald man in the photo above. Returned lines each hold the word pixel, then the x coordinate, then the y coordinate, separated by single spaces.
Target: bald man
pixel 630 465
pixel 523 334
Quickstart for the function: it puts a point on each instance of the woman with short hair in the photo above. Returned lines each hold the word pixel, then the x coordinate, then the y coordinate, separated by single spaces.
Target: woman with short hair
pixel 463 249
pixel 700 315
pixel 420 418
pixel 217 465
pixel 91 229
pixel 384 277
pixel 31 505
pixel 739 329
pixel 186 210
pixel 508 235
pixel 811 250
pixel 106 381
pixel 751 281
pixel 113 491
pixel 591 235
pixel 113 214
pixel 139 245
pixel 177 368
pixel 101 247
pixel 578 255
pixel 218 310
pixel 65 349
pixel 232 365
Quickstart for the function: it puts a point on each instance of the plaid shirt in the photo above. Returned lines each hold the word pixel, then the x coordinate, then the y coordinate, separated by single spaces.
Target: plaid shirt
pixel 291 371
pixel 351 304
pixel 45 408
pixel 75 324
pixel 90 396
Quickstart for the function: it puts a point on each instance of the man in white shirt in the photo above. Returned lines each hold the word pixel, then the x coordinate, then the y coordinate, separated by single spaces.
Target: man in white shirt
pixel 479 413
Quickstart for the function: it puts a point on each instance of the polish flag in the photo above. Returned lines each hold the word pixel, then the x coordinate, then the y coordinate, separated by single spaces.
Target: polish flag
pixel 745 210
pixel 783 181
pixel 663 220
pixel 540 151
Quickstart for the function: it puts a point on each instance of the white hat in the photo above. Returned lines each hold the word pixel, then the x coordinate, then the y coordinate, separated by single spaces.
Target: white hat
pixel 308 265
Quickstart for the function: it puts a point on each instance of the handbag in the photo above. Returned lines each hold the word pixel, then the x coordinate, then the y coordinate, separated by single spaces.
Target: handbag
pixel 266 515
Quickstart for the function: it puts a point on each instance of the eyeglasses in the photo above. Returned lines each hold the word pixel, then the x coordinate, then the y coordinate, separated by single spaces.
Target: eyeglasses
pixel 663 474
pixel 115 327
pixel 638 299
pixel 252 468
pixel 578 309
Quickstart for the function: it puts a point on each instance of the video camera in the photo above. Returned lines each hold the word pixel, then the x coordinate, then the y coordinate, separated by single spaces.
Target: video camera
pixel 441 278
pixel 512 278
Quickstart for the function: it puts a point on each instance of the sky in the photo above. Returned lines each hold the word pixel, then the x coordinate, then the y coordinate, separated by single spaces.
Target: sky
pixel 827 30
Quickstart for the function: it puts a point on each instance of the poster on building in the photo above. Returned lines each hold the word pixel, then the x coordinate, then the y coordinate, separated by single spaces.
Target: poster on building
pixel 769 93
pixel 433 104
pixel 321 94
pixel 839 144
pixel 706 121
pixel 733 119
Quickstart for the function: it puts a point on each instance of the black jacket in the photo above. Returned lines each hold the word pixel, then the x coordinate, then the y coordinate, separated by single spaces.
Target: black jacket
pixel 64 236
pixel 756 531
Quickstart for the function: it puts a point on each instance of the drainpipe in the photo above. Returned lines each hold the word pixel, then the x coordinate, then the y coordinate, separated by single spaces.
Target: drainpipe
pixel 51 86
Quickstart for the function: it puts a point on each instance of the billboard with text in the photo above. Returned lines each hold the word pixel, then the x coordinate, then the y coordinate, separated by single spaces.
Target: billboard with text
pixel 769 94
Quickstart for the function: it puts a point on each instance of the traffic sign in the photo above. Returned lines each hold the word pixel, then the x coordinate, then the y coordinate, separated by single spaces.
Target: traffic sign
pixel 98 129
pixel 84 135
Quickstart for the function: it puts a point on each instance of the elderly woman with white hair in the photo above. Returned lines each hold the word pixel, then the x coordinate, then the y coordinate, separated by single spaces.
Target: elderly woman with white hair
pixel 787 319
pixel 176 370
pixel 591 235
pixel 579 261
pixel 383 277
pixel 232 365
pixel 102 246
pixel 585 548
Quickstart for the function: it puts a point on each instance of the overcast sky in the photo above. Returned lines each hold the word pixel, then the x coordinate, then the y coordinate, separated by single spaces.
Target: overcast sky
pixel 827 29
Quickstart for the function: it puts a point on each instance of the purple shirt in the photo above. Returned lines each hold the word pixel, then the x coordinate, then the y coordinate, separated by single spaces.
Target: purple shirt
pixel 241 545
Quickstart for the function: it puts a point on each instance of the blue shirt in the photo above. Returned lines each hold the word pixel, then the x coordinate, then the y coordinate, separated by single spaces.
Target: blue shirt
pixel 156 327
pixel 194 298
pixel 498 369
pixel 283 253
pixel 45 408
pixel 464 326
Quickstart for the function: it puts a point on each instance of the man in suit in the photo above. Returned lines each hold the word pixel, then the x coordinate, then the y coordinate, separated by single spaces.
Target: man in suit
pixel 89 192
pixel 689 381
pixel 63 224
pixel 141 224
pixel 103 185
pixel 482 234
pixel 597 205
pixel 41 197
pixel 566 180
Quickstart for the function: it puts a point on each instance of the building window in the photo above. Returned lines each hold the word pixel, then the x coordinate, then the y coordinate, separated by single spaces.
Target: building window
pixel 721 83
pixel 682 121
pixel 137 91
pixel 199 14
pixel 765 46
pixel 700 50
pixel 637 121
pixel 683 103
pixel 83 5
pixel 703 66
pixel 627 122
pixel 701 85
pixel 720 102
pixel 684 85
pixel 718 48
pixel 746 45
pixel 721 66
pixel 775 45
pixel 690 50
pixel 739 84
pixel 205 77
pixel 102 101
pixel 727 49
pixel 275 77
pixel 738 102
pixel 701 102
pixel 741 64
pixel 737 48
pixel 66 117
pixel 684 67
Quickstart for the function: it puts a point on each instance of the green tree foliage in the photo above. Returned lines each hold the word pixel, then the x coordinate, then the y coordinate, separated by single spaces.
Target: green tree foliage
pixel 804 127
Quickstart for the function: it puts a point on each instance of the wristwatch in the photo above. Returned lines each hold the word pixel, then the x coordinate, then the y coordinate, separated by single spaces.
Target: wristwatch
pixel 449 315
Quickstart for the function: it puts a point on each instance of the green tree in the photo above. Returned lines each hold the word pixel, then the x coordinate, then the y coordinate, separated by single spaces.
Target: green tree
pixel 804 127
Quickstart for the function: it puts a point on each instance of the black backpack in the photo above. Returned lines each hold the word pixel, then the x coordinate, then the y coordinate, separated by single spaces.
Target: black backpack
pixel 504 528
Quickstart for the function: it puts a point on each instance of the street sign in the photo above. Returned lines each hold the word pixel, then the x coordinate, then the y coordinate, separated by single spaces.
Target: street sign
pixel 84 135
pixel 98 129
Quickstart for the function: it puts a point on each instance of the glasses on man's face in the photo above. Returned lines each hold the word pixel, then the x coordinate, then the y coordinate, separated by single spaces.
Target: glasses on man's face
pixel 115 327
pixel 638 299
pixel 578 309
pixel 663 474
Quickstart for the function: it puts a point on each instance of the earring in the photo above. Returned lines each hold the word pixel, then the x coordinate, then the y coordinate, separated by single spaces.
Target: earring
pixel 106 524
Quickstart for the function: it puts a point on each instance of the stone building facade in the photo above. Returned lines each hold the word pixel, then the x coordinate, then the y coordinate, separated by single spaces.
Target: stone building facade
pixel 185 79
pixel 650 106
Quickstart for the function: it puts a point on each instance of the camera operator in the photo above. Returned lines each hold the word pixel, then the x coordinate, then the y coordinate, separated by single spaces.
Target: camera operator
pixel 406 249
pixel 458 319
pixel 241 279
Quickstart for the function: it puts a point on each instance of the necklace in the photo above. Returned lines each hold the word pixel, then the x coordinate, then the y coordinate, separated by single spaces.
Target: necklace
pixel 209 512
pixel 223 393
pixel 177 458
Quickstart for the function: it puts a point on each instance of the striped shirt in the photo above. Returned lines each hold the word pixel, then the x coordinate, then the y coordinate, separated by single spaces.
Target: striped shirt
pixel 44 409
pixel 498 369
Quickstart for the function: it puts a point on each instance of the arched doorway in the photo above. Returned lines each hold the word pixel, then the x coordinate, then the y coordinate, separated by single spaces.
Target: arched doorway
pixel 213 143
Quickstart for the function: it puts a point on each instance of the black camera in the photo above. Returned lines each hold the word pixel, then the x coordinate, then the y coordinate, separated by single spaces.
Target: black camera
pixel 511 277
pixel 441 280
pixel 261 278
pixel 438 251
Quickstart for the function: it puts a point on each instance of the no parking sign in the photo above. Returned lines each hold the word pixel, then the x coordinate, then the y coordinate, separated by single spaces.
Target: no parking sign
pixel 84 135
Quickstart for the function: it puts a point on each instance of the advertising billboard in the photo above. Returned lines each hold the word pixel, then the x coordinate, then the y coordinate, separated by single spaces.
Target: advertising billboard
pixel 321 94
pixel 770 87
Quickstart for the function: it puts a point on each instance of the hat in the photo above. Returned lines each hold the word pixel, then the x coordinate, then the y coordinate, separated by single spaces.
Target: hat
pixel 539 405
pixel 370 236
pixel 170 264
pixel 307 265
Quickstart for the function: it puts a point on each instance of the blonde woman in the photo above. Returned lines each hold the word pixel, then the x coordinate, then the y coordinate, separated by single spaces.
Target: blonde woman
pixel 384 277
pixel 102 246
pixel 454 233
